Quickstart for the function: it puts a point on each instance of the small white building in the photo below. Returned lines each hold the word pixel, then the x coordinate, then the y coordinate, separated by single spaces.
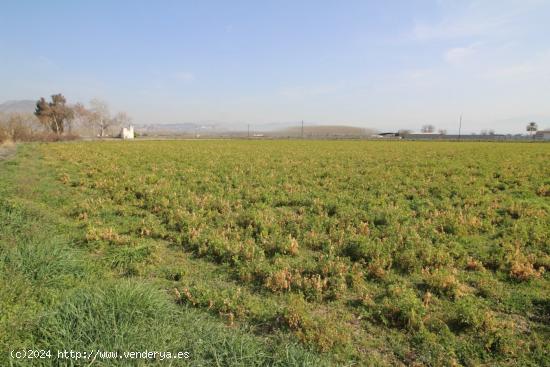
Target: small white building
pixel 543 135
pixel 127 132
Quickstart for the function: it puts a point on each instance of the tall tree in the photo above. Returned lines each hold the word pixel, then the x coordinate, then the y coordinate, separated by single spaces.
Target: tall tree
pixel 55 115
pixel 532 128
pixel 83 119
pixel 100 116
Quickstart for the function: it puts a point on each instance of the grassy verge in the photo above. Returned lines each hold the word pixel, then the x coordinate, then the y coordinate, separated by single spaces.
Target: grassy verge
pixel 56 295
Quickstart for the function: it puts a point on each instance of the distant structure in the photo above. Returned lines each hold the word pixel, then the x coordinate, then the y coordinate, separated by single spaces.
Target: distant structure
pixel 387 135
pixel 127 132
pixel 543 135
pixel 439 136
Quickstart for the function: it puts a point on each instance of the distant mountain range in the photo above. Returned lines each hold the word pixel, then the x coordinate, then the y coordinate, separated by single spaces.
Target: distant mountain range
pixel 19 106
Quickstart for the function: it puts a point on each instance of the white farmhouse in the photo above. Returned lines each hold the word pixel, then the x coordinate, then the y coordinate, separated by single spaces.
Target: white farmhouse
pixel 543 135
pixel 127 132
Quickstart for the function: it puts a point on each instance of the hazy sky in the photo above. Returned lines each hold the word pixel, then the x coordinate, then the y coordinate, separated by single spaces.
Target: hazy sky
pixel 383 64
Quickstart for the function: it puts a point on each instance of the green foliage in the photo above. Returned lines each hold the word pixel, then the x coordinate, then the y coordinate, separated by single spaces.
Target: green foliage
pixel 127 259
pixel 444 282
pixel 471 313
pixel 56 296
pixel 55 115
pixel 401 308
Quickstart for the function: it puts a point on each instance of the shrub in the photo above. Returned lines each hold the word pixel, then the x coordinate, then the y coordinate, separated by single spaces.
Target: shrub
pixel 360 248
pixel 521 266
pixel 431 349
pixel 378 267
pixel 295 315
pixel 313 286
pixel 524 271
pixel 474 265
pixel 544 190
pixel 444 282
pixel 407 261
pixel 470 313
pixel 50 137
pixel 490 288
pixel 401 307
pixel 278 281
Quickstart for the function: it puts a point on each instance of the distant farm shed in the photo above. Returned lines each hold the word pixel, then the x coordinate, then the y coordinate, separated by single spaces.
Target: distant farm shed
pixel 127 132
pixel 388 135
pixel 543 135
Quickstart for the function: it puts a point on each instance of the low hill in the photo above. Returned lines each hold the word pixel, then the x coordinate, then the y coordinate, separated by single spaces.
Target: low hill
pixel 18 106
pixel 325 131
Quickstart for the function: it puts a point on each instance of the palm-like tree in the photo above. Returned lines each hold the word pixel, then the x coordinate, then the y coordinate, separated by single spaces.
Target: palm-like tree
pixel 532 128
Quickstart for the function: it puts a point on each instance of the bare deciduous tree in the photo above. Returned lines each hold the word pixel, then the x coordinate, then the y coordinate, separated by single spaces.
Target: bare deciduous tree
pixel 100 116
pixel 83 119
pixel 18 126
pixel 122 119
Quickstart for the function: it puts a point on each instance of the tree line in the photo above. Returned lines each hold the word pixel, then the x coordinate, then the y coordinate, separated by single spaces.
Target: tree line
pixel 55 119
pixel 532 128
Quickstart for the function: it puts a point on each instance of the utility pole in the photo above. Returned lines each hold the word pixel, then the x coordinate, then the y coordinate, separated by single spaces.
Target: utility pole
pixel 460 128
pixel 249 131
pixel 302 129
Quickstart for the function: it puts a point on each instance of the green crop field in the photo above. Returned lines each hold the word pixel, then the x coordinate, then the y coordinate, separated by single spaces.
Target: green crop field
pixel 279 252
